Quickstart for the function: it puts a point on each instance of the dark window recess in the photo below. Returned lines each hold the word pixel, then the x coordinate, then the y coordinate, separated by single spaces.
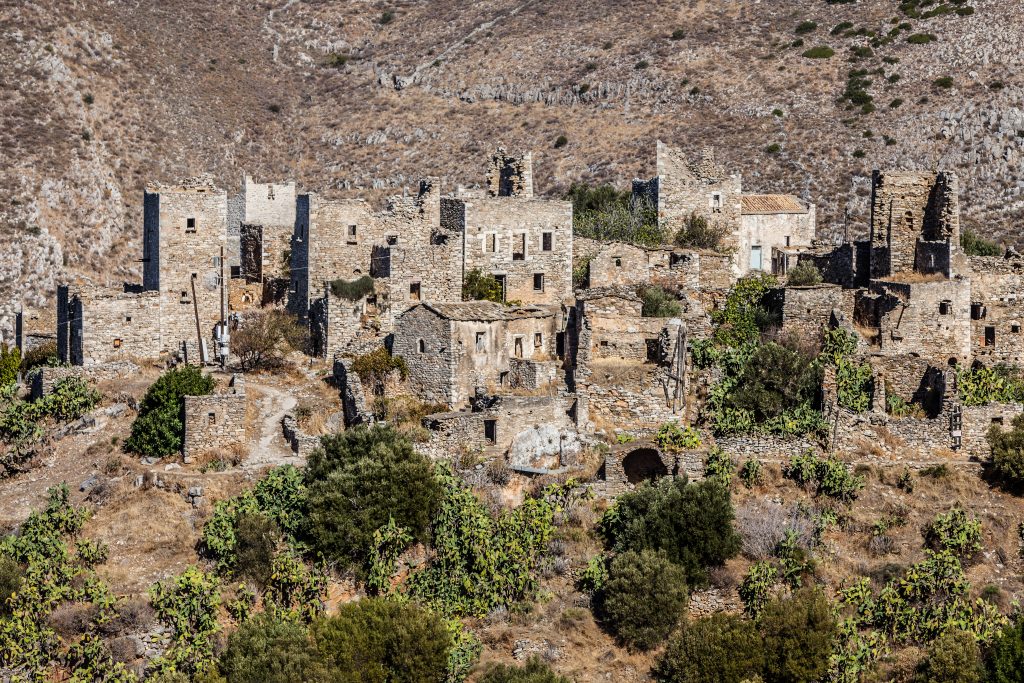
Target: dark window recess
pixel 211 418
pixel 492 243
pixel 977 311
pixel 653 350
pixel 519 247
pixel 414 291
pixel 538 282
pixel 127 318
pixel 501 281
pixel 997 420
pixel 618 261
pixel 422 346
pixel 546 241
pixel 560 344
pixel 538 340
pixel 1015 328
pixel 184 297
pixel 491 431
pixel 190 225
pixel 518 347
pixel 392 239
pixel 945 307
pixel 481 341
pixel 990 336
pixel 236 272
pixel 351 233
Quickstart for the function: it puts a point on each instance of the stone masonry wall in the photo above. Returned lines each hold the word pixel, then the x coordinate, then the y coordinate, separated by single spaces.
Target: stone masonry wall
pixel 214 421
pixel 431 374
pixel 106 324
pixel 931 319
pixel 997 309
pixel 46 377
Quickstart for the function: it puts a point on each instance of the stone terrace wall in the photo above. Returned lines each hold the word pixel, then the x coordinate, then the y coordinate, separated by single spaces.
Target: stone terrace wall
pixel 214 421
pixel 353 400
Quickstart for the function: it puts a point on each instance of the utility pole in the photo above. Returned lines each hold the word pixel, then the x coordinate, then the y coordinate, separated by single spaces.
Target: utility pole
pixel 222 337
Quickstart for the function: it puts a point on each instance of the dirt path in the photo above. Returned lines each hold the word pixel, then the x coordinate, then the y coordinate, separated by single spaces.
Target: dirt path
pixel 271 449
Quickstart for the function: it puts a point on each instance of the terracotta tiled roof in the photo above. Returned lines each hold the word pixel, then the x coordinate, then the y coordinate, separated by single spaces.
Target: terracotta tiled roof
pixel 487 310
pixel 771 203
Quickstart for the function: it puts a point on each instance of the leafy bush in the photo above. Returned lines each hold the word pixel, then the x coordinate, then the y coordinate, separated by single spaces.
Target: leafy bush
pixel 980 385
pixel 478 286
pixel 772 381
pixel 188 605
pixel 160 426
pixel 691 523
pixel 830 476
pixel 644 597
pixel 264 337
pixel 974 244
pixel 375 366
pixel 1008 451
pixel 799 636
pixel 256 539
pixel 360 479
pixel 42 355
pixel 699 233
pixel 534 671
pixel 70 399
pixel 604 213
pixel 269 650
pixel 921 38
pixel 376 639
pixel 750 472
pixel 722 648
pixel 806 27
pixel 10 362
pixel 944 82
pixel 278 497
pixel 10 581
pixel 658 303
pixel 561 141
pixel 820 52
pixel 483 561
pixel 954 532
pixel 352 290
pixel 757 586
pixel 719 466
pixel 740 320
pixel 804 274
pixel 953 656
pixel 1005 660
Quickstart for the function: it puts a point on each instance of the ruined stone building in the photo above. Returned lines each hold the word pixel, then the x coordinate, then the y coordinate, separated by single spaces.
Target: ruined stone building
pixel 262 272
pixel 754 226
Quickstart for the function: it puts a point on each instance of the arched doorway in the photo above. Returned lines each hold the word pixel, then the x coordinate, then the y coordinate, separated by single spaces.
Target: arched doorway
pixel 643 464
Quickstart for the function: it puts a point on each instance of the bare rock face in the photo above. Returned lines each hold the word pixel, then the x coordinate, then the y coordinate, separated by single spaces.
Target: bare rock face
pixel 96 103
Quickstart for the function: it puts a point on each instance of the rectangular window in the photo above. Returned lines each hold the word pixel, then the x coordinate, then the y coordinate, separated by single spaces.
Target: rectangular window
pixel 211 419
pixel 618 261
pixel 538 282
pixel 414 291
pixel 990 336
pixel 127 319
pixel 538 340
pixel 350 237
pixel 945 307
pixel 653 350
pixel 1015 329
pixel 190 225
pixel 236 272
pixel 519 247
pixel 545 241
pixel 117 343
pixel 755 258
pixel 787 240
pixel 518 347
pixel 501 282
pixel 491 431
pixel 716 202
pixel 481 341
pixel 977 310
pixel 491 243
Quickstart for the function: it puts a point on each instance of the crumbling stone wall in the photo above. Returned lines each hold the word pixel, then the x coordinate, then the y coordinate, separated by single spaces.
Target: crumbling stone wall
pixel 531 374
pixel 96 325
pixel 531 333
pixel 431 371
pixel 45 377
pixel 908 206
pixel 628 465
pixel 353 400
pixel 930 318
pixel 806 311
pixel 510 176
pixel 423 272
pixel 214 421
pixel 997 309
pixel 525 241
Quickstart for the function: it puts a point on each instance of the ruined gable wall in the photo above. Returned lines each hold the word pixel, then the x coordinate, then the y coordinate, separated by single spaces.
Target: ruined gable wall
pixel 116 326
pixel 997 297
pixel 911 318
pixel 477 367
pixel 685 189
pixel 806 311
pixel 526 329
pixel 769 231
pixel 431 375
pixel 504 221
pixel 269 204
pixel 436 266
pixel 619 263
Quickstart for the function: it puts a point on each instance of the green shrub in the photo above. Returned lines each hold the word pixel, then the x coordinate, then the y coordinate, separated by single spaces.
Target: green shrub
pixel 921 38
pixel 336 60
pixel 352 290
pixel 480 286
pixel 160 426
pixel 750 472
pixel 830 476
pixel 722 648
pixel 953 657
pixel 974 244
pixel 657 303
pixel 799 636
pixel 678 34
pixel 671 438
pixel 265 649
pixel 264 337
pixel 1005 660
pixel 820 52
pixel 691 523
pixel 70 399
pixel 698 233
pixel 896 103
pixel 256 538
pixel 719 466
pixel 980 385
pixel 644 598
pixel 386 17
pixel 534 671
pixel 188 605
pixel 840 27
pixel 1008 452
pixel 42 355
pixel 604 213
pixel 561 141
pixel 757 587
pixel 375 366
pixel 642 64
pixel 804 274
pixel 806 27
pixel 773 148
pixel 774 380
pixel 955 532
pixel 944 82
pixel 376 639
pixel 10 362
pixel 11 576
pixel 360 479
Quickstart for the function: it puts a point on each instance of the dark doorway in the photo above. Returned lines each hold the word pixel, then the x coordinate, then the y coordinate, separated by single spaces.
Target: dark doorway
pixel 643 464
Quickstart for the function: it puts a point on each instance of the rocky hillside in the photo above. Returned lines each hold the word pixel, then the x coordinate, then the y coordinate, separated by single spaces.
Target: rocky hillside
pixel 99 98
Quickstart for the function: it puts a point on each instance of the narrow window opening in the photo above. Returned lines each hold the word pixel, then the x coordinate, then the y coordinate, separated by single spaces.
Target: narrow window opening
pixel 492 243
pixel 618 261
pixel 117 343
pixel 990 336
pixel 422 346
pixel 190 225
pixel 211 418
pixel 1015 329
pixel 518 347
pixel 519 247
pixel 538 282
pixel 352 234
pixel 945 307
pixel 978 311
pixel 491 431
pixel 414 291
pixel 538 340
pixel 481 341
pixel 546 241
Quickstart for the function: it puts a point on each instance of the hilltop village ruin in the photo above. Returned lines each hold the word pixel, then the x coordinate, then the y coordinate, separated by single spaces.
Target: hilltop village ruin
pixel 568 352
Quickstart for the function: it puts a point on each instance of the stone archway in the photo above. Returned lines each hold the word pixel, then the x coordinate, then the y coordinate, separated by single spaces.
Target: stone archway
pixel 643 464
